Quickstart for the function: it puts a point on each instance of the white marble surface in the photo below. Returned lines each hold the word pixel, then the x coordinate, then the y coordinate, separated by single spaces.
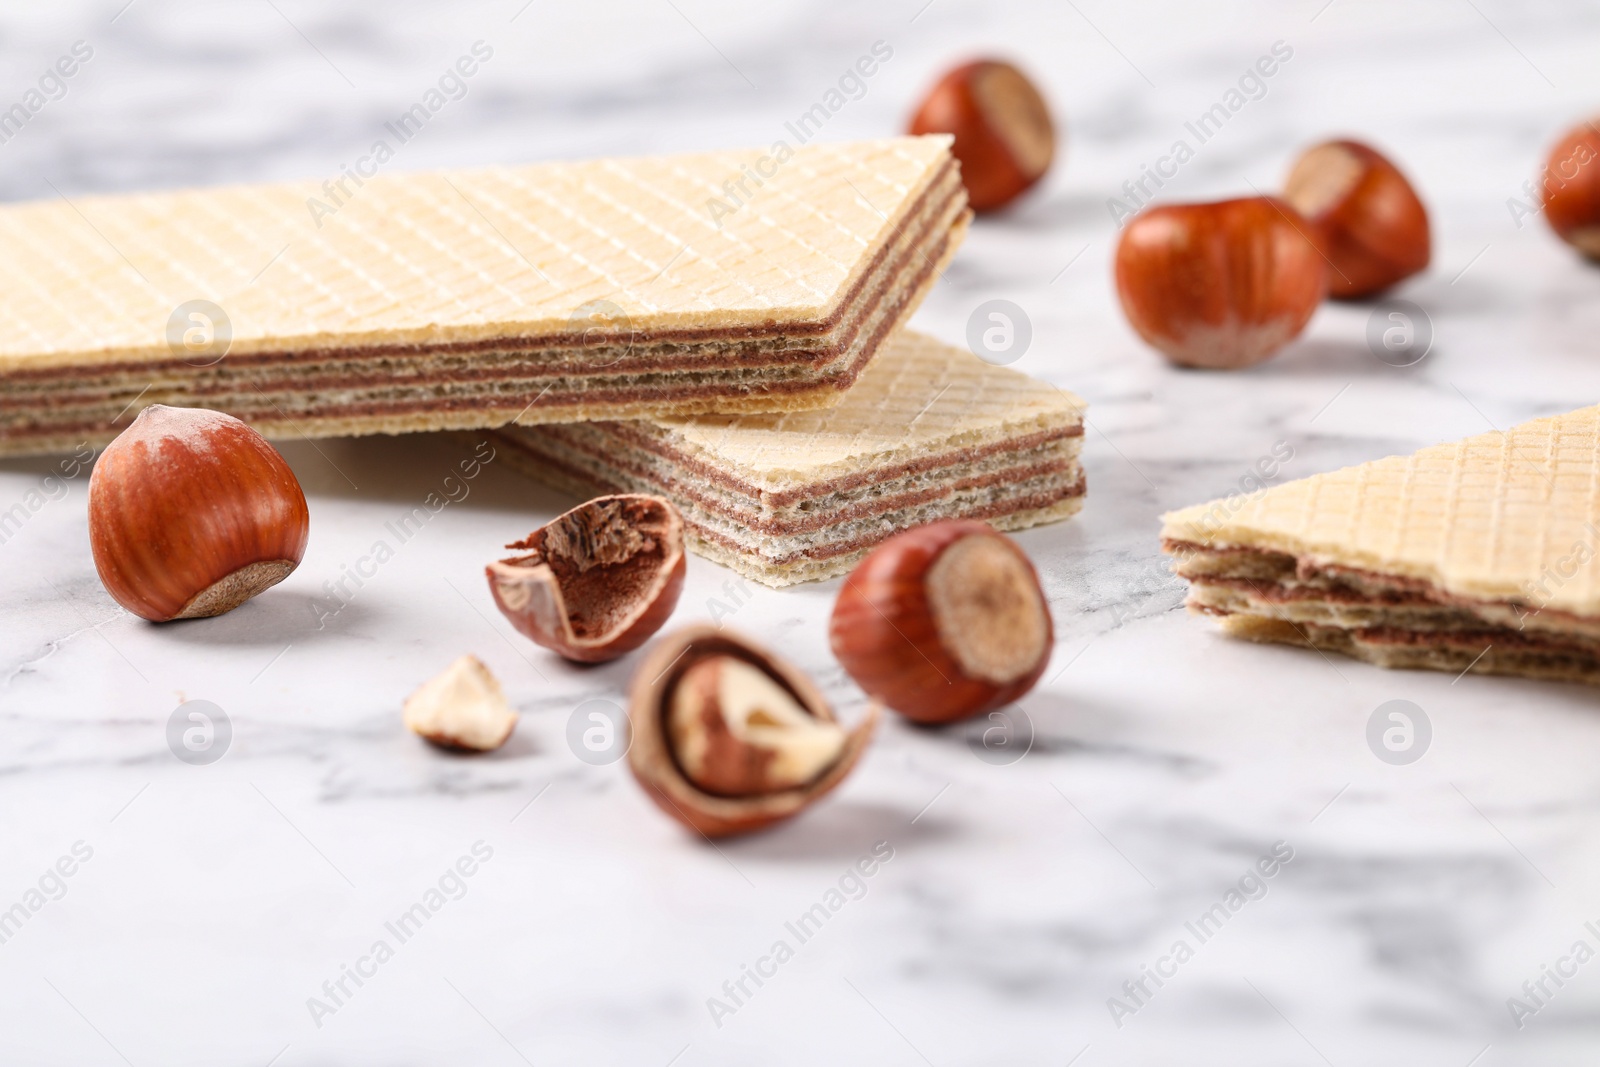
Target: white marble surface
pixel 218 899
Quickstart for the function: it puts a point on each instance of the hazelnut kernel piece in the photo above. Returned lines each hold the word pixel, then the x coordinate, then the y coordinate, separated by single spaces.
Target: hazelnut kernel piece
pixel 462 708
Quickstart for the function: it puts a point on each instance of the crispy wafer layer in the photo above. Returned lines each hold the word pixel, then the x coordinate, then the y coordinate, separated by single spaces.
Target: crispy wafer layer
pixel 1479 554
pixel 928 432
pixel 548 293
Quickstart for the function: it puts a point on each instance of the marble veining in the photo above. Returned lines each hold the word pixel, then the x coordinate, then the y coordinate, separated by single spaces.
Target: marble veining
pixel 211 909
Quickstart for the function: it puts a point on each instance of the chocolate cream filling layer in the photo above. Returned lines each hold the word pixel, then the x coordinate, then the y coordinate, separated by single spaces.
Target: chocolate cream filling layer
pixel 647 455
pixel 1491 651
pixel 1010 513
pixel 555 378
pixel 1305 602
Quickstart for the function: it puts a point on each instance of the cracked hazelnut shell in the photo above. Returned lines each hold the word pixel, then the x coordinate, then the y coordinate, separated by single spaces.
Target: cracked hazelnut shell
pixel 737 732
pixel 943 622
pixel 191 513
pixel 1373 226
pixel 654 763
pixel 1221 285
pixel 1004 136
pixel 598 581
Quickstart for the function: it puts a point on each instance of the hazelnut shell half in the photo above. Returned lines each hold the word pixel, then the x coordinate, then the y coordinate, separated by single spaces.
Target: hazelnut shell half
pixel 598 581
pixel 650 751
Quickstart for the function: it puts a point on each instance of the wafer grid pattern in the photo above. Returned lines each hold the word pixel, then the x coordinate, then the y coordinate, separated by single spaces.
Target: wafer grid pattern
pixel 919 395
pixel 1513 514
pixel 433 258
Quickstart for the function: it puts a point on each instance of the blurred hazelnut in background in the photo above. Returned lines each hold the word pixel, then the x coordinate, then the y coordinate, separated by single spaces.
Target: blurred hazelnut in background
pixel 1570 185
pixel 1004 136
pixel 1221 285
pixel 1372 224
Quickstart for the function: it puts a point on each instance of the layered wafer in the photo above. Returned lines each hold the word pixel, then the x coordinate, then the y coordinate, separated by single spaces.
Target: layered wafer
pixel 928 432
pixel 1479 555
pixel 729 281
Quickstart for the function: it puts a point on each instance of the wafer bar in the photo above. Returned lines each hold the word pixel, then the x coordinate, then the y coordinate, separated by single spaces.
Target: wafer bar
pixel 928 432
pixel 1482 555
pixel 551 292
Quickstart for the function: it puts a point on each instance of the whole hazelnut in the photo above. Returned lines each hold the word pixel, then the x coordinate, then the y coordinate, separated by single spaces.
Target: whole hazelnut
pixel 943 622
pixel 596 582
pixel 1004 137
pixel 191 513
pixel 1221 285
pixel 728 737
pixel 1374 228
pixel 1571 189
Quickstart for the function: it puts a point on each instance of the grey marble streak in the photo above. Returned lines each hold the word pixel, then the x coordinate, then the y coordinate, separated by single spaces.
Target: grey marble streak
pixel 1021 898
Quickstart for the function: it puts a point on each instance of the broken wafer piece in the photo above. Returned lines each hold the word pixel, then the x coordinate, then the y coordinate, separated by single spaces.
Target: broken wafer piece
pixel 1480 555
pixel 728 281
pixel 930 431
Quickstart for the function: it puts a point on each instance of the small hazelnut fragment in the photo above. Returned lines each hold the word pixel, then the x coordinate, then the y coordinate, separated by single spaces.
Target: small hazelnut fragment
pixel 943 622
pixel 463 708
pixel 191 513
pixel 1220 285
pixel 1571 189
pixel 597 581
pixel 736 732
pixel 1004 138
pixel 1373 227
pixel 728 737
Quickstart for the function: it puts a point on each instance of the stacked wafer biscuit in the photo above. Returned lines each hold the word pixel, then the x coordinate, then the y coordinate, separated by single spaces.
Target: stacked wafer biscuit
pixel 717 328
pixel 553 292
pixel 1481 555
pixel 928 432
